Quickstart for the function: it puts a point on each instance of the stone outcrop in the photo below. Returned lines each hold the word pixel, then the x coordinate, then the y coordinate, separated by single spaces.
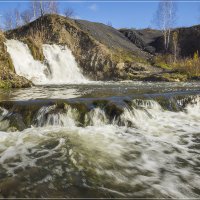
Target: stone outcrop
pixel 143 39
pixel 152 41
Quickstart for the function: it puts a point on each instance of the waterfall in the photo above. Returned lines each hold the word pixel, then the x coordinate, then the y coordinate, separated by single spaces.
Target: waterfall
pixel 62 65
pixel 24 63
pixel 59 67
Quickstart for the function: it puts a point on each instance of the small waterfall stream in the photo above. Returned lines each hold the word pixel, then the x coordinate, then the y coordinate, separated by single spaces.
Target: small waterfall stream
pixel 59 67
pixel 116 140
pixel 110 147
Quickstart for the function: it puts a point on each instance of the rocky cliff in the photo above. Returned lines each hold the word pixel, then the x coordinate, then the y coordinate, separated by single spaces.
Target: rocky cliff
pixel 144 39
pixel 152 41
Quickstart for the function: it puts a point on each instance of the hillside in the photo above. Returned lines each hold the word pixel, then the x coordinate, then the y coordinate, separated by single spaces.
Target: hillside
pixel 108 36
pixel 151 40
pixel 102 52
pixel 144 38
pixel 182 61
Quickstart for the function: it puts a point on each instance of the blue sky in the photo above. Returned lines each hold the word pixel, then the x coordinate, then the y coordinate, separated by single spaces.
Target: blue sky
pixel 121 14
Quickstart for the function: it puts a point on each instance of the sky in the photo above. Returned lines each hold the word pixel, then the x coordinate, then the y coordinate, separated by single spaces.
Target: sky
pixel 123 14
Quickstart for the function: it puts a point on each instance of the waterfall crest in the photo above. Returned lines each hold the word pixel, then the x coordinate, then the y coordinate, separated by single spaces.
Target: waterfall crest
pixel 59 67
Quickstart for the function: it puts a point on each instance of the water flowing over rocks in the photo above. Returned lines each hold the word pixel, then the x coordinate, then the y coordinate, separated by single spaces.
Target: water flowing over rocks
pixel 69 136
pixel 122 112
pixel 8 77
pixel 110 147
pixel 59 67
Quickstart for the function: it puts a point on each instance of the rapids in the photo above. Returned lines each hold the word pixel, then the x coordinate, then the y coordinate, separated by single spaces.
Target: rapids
pixel 113 140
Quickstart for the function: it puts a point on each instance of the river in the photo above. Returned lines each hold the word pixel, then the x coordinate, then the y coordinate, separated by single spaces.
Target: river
pixel 101 140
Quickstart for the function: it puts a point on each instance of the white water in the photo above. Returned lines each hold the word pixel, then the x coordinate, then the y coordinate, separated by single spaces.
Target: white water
pixel 60 66
pixel 24 63
pixel 159 154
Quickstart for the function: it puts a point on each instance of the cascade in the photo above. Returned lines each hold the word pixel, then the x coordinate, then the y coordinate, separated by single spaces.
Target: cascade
pixel 59 67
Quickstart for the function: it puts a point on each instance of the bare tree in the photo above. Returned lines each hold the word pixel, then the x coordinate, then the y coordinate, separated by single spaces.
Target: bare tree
pixel 165 19
pixel 109 23
pixel 26 16
pixel 41 7
pixel 12 19
pixel 35 8
pixel 52 7
pixel 69 12
pixel 8 21
pixel 17 18
pixel 175 45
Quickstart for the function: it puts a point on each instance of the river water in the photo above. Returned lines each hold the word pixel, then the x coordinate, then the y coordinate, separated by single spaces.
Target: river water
pixel 101 140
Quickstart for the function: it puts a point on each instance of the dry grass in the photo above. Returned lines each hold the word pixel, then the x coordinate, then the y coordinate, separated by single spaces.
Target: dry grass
pixel 163 61
pixel 35 48
pixel 189 66
pixel 186 66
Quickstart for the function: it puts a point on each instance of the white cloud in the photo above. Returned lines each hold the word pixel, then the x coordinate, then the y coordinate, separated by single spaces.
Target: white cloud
pixel 93 7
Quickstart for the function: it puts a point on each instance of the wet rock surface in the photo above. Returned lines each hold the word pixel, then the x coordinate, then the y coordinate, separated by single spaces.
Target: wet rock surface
pixel 101 147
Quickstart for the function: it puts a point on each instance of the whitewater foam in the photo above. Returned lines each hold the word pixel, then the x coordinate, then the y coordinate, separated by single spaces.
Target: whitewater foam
pixel 158 157
pixel 24 63
pixel 59 67
pixel 62 65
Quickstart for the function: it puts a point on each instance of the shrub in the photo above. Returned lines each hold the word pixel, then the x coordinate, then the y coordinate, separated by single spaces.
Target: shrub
pixel 163 61
pixel 189 66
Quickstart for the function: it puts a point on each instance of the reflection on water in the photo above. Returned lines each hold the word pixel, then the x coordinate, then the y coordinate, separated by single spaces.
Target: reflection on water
pixel 96 89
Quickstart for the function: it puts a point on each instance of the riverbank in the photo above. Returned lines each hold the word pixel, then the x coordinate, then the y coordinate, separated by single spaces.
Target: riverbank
pixel 101 52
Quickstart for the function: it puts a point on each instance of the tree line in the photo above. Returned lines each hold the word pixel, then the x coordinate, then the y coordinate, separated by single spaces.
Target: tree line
pixel 16 18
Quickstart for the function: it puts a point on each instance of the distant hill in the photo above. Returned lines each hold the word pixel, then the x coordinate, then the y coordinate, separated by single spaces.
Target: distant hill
pixel 151 40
